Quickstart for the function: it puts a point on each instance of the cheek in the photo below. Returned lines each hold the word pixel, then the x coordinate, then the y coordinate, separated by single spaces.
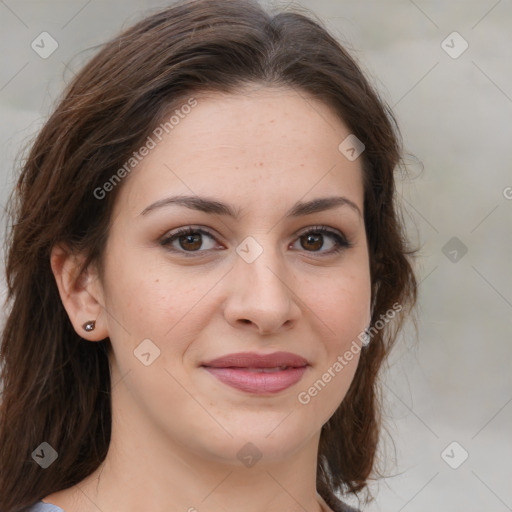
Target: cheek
pixel 341 301
pixel 320 396
pixel 148 299
pixel 341 306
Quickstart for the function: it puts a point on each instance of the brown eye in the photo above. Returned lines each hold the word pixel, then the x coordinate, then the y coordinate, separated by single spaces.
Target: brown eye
pixel 191 242
pixel 312 241
pixel 322 240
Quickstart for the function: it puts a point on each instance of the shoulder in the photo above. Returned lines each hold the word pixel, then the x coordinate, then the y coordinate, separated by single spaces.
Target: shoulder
pixel 40 506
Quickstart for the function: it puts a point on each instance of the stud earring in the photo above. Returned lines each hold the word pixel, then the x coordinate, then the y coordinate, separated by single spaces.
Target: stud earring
pixel 89 326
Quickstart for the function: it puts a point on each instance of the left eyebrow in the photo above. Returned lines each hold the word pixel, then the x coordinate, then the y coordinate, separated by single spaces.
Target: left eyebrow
pixel 322 204
pixel 213 206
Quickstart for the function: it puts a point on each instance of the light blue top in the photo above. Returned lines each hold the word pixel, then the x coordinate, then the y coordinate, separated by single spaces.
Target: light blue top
pixel 40 506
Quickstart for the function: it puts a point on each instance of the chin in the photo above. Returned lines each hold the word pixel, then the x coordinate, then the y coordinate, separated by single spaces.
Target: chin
pixel 272 440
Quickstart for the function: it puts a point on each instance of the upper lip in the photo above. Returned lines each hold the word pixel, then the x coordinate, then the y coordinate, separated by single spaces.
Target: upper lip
pixel 254 360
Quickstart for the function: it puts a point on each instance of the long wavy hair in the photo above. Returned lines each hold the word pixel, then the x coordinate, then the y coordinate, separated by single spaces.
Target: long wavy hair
pixel 56 386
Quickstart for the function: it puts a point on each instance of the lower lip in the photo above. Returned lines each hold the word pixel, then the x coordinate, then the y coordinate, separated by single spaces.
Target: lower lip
pixel 258 382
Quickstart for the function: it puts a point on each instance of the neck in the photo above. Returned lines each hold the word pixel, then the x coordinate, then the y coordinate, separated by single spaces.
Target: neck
pixel 189 485
pixel 145 469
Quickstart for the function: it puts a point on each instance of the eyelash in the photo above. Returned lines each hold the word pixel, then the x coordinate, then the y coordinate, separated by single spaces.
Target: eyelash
pixel 340 241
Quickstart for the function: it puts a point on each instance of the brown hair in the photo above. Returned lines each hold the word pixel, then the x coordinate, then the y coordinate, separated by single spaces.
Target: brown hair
pixel 56 386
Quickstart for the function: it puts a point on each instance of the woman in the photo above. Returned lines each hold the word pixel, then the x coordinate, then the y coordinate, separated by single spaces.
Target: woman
pixel 206 270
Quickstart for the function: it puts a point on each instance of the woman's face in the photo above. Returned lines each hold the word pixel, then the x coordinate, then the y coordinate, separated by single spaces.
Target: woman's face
pixel 242 231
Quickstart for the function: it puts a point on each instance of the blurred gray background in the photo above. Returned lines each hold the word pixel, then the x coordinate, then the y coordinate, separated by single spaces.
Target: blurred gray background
pixel 448 390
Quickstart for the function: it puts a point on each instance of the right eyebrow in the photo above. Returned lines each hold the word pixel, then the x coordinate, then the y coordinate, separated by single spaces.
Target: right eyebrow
pixel 194 203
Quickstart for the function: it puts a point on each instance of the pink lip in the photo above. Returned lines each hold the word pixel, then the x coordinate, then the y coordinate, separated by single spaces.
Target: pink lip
pixel 240 371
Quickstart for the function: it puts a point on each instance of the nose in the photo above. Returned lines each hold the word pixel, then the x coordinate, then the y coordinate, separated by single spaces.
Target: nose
pixel 261 297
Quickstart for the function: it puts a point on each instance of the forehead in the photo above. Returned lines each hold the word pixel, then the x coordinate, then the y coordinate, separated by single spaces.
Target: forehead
pixel 262 146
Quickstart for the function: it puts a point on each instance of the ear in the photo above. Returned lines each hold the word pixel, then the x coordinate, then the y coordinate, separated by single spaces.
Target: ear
pixel 81 292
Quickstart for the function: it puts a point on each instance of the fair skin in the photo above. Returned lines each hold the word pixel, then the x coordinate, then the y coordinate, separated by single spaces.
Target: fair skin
pixel 176 428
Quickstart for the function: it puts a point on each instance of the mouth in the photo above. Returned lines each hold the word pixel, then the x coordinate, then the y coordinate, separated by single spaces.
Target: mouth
pixel 258 373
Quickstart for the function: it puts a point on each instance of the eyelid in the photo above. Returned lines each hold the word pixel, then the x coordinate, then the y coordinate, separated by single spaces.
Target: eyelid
pixel 341 241
pixel 321 229
pixel 174 234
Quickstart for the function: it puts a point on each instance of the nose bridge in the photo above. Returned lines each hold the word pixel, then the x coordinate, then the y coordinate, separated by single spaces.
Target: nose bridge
pixel 262 294
pixel 261 267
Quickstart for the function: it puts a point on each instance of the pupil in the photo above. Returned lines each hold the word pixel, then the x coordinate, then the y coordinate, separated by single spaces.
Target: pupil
pixel 191 242
pixel 313 242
